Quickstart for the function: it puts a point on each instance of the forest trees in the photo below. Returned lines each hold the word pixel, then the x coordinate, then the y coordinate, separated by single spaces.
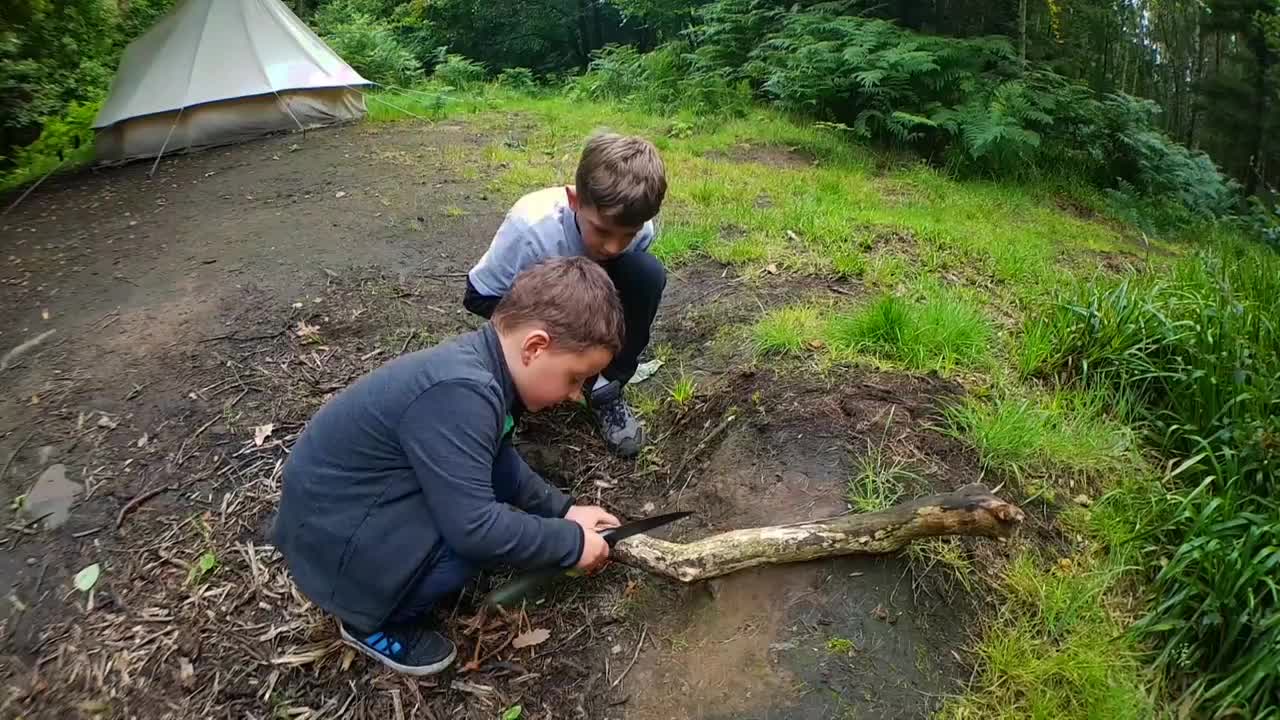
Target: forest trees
pixel 1212 67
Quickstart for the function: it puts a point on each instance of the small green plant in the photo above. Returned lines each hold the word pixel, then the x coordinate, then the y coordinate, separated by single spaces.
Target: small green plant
pixel 848 263
pixel 202 568
pixel 515 712
pixel 454 211
pixel 682 391
pixel 840 646
pixel 1034 436
pixel 947 553
pixel 881 478
pixel 643 402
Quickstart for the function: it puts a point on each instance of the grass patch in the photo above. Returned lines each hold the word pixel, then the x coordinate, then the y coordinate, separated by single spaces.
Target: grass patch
pixel 786 330
pixel 944 333
pixel 1037 435
pixel 1059 647
pixel 880 481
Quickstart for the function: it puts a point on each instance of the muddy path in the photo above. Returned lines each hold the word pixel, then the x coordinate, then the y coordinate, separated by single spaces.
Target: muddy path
pixel 200 317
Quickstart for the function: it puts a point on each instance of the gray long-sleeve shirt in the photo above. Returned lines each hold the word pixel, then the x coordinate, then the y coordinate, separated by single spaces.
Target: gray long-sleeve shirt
pixel 540 225
pixel 400 464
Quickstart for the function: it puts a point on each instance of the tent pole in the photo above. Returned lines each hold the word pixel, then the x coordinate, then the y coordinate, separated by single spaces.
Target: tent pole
pixel 166 141
pixel 289 110
pixel 32 188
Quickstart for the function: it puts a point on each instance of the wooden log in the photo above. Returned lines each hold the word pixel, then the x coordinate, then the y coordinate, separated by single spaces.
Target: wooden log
pixel 971 510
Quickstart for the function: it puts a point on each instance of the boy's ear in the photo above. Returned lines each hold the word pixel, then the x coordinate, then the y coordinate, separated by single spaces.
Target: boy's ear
pixel 572 193
pixel 535 341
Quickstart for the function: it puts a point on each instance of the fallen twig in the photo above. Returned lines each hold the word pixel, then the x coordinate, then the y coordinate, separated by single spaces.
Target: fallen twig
pixel 232 337
pixel 14 454
pixel 700 447
pixel 138 500
pixel 643 631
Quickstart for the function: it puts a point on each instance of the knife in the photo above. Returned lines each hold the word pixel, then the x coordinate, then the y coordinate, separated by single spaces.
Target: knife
pixel 522 585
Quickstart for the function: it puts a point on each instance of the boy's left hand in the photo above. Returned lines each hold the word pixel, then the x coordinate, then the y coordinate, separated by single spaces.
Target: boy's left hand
pixel 592 517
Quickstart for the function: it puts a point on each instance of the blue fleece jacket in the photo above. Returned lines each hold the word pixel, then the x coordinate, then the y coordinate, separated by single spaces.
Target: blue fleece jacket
pixel 398 466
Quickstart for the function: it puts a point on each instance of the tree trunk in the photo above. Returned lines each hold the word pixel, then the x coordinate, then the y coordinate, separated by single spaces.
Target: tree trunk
pixel 598 22
pixel 584 34
pixel 971 510
pixel 1022 32
pixel 1197 73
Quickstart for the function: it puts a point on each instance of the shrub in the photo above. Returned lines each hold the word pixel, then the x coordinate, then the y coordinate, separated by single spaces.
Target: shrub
pixel 664 81
pixel 518 79
pixel 367 43
pixel 65 140
pixel 457 71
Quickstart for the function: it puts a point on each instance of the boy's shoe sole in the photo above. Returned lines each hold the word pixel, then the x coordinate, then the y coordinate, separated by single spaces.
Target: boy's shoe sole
pixel 415 670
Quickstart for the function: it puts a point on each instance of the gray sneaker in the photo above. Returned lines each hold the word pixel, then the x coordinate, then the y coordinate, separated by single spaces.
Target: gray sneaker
pixel 620 427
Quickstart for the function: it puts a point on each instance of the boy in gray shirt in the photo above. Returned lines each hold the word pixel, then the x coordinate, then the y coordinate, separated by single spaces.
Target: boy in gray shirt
pixel 607 216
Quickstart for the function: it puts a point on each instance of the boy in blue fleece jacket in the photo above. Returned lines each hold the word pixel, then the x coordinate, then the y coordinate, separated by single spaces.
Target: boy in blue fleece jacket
pixel 406 483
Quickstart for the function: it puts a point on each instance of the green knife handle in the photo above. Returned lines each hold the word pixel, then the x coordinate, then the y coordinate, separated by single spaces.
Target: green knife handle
pixel 514 591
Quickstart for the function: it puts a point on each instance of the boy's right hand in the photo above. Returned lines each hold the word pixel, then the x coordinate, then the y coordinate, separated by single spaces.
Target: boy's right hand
pixel 595 551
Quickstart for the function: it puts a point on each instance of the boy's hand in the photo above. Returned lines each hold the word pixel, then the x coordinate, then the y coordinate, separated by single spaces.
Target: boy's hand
pixel 595 551
pixel 591 517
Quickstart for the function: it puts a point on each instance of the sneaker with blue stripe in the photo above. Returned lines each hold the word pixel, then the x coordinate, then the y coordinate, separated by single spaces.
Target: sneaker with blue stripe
pixel 412 650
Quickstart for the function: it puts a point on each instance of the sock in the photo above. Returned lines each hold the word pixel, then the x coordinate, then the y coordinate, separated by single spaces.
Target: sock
pixel 600 382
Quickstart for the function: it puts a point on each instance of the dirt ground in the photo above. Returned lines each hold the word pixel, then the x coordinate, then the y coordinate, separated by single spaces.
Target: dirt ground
pixel 199 317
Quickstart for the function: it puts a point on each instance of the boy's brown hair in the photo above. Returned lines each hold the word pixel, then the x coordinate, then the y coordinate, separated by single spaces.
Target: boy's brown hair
pixel 572 298
pixel 622 177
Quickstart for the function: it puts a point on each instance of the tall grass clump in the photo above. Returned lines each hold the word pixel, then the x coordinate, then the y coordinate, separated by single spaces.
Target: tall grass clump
pixel 943 333
pixel 1200 353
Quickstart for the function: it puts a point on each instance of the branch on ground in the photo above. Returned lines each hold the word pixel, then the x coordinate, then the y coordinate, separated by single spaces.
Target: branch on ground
pixel 972 510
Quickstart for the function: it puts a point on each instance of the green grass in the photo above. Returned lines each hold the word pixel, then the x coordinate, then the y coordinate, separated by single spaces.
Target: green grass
pixel 831 210
pixel 683 390
pixel 1058 647
pixel 945 332
pixel 879 481
pixel 786 330
pixel 1034 435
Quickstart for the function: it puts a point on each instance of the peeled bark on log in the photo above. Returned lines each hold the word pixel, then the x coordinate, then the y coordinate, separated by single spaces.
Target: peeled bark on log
pixel 971 510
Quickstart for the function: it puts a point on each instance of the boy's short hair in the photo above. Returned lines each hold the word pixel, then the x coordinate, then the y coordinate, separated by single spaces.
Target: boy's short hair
pixel 572 298
pixel 622 177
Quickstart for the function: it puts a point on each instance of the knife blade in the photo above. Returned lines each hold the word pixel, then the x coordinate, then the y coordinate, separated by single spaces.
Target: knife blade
pixel 637 527
pixel 522 585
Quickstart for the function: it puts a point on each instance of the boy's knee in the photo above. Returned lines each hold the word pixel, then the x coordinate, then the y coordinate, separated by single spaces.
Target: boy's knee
pixel 639 272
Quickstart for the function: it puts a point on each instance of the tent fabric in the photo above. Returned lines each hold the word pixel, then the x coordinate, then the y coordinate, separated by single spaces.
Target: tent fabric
pixel 213 51
pixel 226 122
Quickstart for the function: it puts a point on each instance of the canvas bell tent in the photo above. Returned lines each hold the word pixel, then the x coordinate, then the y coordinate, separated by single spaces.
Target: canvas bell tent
pixel 213 72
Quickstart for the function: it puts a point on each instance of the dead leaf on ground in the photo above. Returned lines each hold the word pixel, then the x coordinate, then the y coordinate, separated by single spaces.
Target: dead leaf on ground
pixel 536 636
pixel 306 329
pixel 772 268
pixel 186 673
pixel 262 432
